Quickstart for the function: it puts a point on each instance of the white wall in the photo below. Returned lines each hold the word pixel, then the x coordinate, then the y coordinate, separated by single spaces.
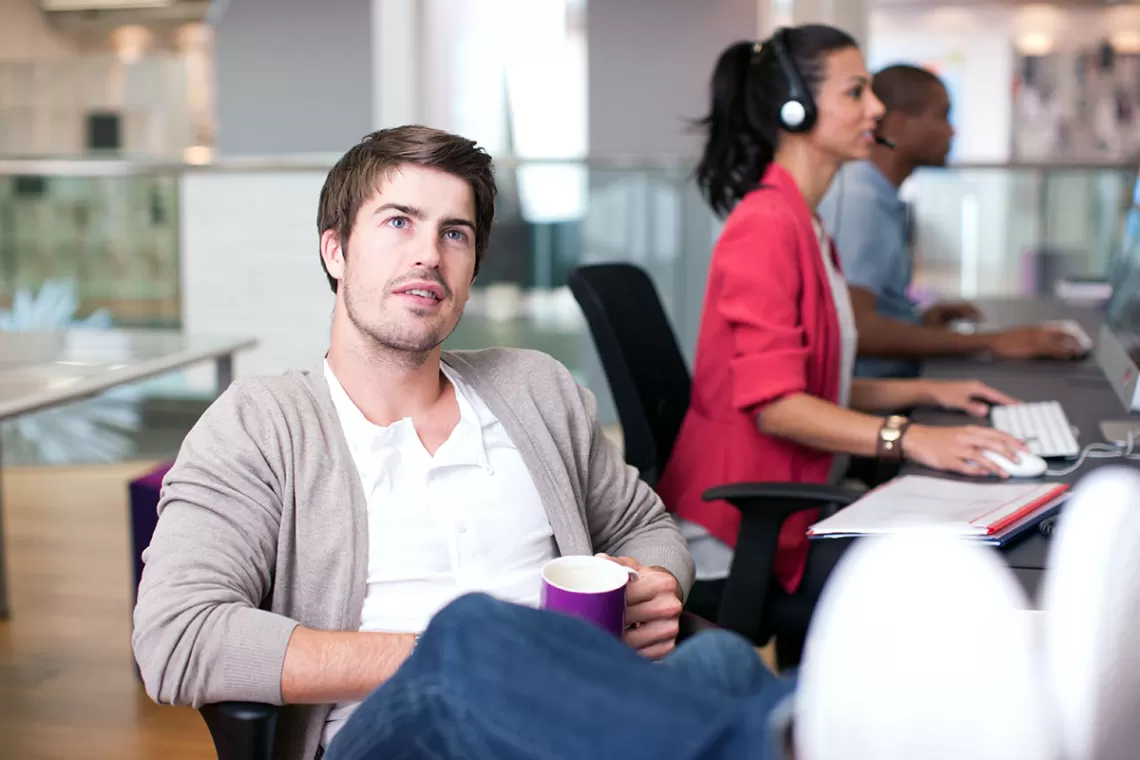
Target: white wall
pixel 250 265
pixel 650 62
pixel 395 52
pixel 293 76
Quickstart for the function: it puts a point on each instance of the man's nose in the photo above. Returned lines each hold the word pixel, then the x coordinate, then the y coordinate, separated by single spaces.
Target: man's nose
pixel 427 253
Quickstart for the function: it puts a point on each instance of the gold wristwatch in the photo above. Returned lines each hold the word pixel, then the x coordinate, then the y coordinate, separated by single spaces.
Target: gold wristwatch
pixel 890 437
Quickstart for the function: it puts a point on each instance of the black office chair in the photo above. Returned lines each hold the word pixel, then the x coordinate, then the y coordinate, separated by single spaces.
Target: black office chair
pixel 651 385
pixel 241 730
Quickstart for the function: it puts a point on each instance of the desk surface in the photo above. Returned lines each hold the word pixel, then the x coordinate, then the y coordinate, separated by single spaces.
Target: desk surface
pixel 1080 387
pixel 43 369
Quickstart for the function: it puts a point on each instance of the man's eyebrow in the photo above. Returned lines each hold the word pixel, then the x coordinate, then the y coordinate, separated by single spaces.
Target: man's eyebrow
pixel 412 211
pixel 458 221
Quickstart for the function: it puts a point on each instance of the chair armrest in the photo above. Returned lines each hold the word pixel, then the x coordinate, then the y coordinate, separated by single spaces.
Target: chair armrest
pixel 241 730
pixel 691 625
pixel 763 509
pixel 781 499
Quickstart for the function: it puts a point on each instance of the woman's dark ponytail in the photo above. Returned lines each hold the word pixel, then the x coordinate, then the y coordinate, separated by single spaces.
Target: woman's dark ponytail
pixel 743 126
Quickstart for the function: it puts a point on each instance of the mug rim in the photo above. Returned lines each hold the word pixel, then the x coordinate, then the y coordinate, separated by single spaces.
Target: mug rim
pixel 587 560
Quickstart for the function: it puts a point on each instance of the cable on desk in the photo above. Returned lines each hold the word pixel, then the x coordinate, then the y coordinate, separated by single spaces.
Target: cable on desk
pixel 1098 451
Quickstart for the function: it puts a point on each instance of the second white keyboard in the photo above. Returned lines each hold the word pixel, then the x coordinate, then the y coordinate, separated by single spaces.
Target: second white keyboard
pixel 1043 426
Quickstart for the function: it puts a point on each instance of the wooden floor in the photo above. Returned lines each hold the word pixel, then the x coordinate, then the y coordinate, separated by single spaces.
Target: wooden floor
pixel 68 689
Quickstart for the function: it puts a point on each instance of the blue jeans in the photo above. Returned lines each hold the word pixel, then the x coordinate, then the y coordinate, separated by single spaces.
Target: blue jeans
pixel 503 682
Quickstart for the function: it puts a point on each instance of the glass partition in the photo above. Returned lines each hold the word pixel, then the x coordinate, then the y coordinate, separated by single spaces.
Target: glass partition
pixel 232 247
pixel 112 240
pixel 997 231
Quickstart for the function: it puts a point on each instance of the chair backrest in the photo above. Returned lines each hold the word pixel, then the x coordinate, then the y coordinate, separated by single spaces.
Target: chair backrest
pixel 646 372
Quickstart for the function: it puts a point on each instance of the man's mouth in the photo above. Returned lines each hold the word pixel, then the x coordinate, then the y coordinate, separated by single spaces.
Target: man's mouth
pixel 421 293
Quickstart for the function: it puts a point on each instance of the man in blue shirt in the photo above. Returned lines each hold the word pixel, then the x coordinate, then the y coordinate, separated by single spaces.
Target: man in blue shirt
pixel 868 221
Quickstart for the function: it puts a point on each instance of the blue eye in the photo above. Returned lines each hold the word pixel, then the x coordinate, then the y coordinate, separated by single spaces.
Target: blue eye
pixel 458 236
pixel 398 222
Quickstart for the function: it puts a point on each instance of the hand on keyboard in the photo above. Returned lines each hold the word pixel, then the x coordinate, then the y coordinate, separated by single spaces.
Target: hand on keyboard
pixel 960 449
pixel 970 396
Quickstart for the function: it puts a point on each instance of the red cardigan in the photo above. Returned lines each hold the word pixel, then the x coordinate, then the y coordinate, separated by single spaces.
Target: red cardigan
pixel 769 329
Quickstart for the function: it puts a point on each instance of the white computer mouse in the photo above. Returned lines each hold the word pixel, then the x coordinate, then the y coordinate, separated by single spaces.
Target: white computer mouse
pixel 1027 466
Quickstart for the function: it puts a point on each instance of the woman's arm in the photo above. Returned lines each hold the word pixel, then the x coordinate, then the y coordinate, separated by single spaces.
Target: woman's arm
pixel 811 421
pixel 970 396
pixel 876 396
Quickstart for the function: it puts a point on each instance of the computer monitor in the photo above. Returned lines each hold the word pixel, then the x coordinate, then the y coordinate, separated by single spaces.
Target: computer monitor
pixel 1118 344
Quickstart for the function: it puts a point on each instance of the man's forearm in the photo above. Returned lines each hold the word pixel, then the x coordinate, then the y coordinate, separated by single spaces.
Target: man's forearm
pixel 323 667
pixel 889 338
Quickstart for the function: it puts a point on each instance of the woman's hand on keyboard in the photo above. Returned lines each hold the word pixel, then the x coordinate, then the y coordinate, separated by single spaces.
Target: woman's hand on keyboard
pixel 971 396
pixel 959 449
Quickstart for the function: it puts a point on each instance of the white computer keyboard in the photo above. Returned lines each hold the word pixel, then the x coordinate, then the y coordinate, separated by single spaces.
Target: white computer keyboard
pixel 1041 424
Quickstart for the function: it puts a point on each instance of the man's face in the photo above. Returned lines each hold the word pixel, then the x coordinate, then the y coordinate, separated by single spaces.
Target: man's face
pixel 929 132
pixel 406 271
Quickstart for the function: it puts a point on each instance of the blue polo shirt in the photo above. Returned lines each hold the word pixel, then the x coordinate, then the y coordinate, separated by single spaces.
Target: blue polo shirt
pixel 868 221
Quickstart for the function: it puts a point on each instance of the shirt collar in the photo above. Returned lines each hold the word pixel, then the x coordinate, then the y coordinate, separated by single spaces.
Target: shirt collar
pixel 358 427
pixel 470 423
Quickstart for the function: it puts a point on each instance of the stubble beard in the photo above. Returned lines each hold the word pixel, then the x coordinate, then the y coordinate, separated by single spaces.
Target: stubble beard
pixel 406 347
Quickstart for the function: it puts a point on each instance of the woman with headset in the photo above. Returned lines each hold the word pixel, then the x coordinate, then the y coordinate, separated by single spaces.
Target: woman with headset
pixel 773 399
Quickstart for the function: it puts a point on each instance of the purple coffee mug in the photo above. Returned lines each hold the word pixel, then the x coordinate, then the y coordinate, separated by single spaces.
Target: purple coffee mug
pixel 591 588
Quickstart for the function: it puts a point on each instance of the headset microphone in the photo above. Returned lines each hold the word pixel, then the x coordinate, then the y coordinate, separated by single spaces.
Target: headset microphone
pixel 885 141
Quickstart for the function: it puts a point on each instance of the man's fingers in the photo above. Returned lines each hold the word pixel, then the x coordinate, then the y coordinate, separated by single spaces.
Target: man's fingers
pixel 662 606
pixel 649 584
pixel 977 409
pixel 652 634
pixel 658 651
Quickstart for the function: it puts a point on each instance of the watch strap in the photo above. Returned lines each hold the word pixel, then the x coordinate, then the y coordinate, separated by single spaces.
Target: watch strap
pixel 889 445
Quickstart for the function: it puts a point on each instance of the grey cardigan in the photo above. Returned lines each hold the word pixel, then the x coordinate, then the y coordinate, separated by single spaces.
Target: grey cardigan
pixel 263 526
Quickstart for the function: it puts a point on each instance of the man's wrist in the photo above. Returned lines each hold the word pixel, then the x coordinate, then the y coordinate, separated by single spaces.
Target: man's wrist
pixel 922 392
pixel 986 342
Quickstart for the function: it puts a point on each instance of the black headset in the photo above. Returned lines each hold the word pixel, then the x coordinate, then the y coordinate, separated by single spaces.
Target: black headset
pixel 797 113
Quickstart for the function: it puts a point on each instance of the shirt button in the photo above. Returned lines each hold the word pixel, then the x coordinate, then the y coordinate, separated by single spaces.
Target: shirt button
pixel 461 527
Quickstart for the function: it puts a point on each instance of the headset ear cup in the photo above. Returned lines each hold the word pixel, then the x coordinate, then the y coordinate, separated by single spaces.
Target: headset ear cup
pixel 793 115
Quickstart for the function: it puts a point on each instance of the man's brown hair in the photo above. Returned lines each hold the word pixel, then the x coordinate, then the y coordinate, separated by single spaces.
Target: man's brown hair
pixel 359 172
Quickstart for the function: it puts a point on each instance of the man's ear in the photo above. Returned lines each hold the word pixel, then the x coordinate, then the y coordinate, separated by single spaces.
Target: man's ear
pixel 332 253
